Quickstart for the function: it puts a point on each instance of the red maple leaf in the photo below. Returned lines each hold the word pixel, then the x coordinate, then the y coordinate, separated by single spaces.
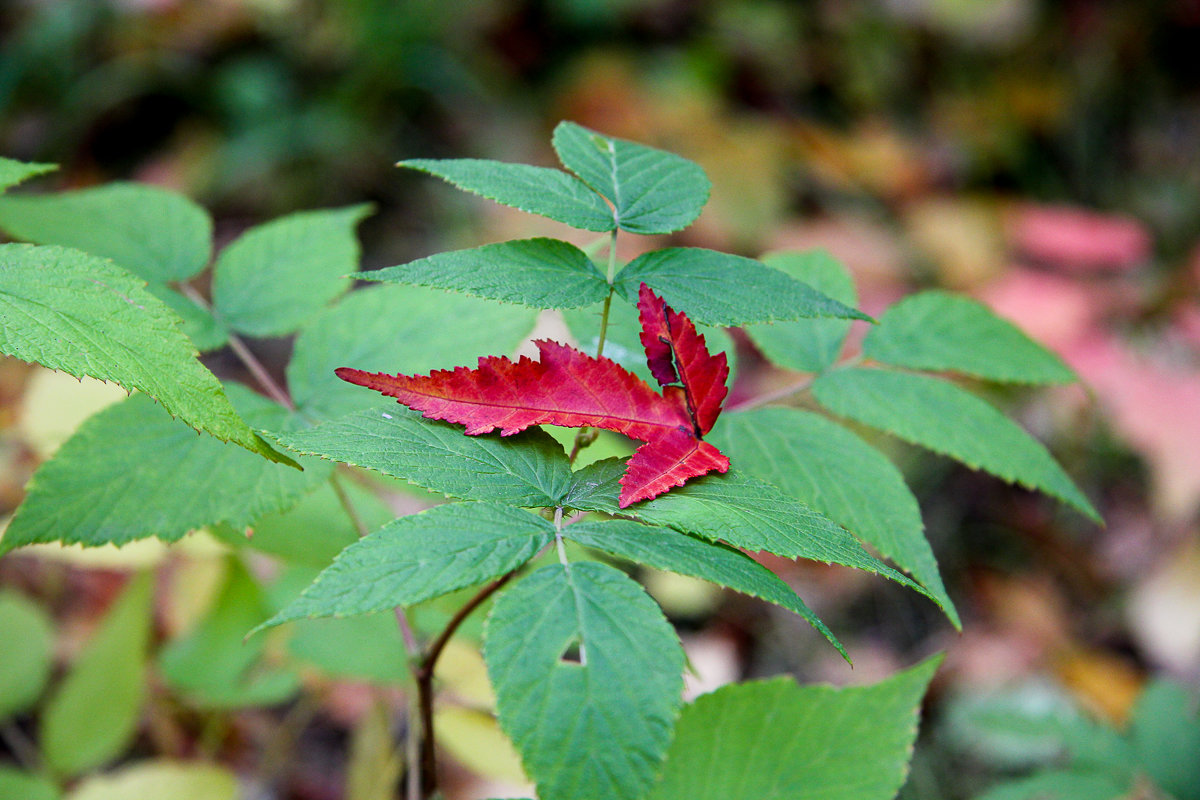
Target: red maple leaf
pixel 570 388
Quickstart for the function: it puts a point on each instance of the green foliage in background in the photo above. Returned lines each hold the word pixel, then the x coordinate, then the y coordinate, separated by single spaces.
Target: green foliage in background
pixel 586 670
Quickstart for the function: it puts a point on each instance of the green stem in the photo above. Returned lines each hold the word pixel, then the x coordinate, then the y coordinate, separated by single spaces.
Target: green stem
pixel 612 272
pixel 558 538
pixel 584 436
pixel 244 354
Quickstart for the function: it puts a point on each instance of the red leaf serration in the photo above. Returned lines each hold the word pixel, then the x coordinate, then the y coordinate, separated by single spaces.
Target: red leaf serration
pixel 676 352
pixel 570 388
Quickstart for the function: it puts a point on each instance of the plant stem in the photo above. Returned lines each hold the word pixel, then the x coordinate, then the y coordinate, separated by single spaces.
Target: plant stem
pixel 612 272
pixel 424 677
pixel 583 437
pixel 418 734
pixel 558 539
pixel 25 751
pixel 243 353
pixel 772 396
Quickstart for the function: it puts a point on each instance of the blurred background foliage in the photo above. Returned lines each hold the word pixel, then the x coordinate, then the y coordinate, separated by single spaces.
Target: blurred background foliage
pixel 1042 156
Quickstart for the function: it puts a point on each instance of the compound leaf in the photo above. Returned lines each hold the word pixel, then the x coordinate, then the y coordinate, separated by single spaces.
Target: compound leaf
pixel 82 315
pixel 94 712
pixel 775 740
pixel 569 388
pixel 946 419
pixel 275 277
pixel 537 190
pixel 668 549
pixel 827 467
pixel 809 345
pixel 541 273
pixel 720 289
pixel 596 727
pixel 937 330
pixel 419 557
pixel 527 470
pixel 652 191
pixel 131 472
pixel 154 233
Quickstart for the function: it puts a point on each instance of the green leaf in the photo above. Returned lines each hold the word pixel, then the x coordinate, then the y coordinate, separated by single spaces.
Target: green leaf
pixel 774 740
pixel 213 665
pixel 810 345
pixel 197 323
pixel 313 530
pixel 421 556
pixel 652 191
pixel 275 277
pixel 721 289
pixel 94 713
pixel 391 329
pixel 827 467
pixel 154 233
pixel 528 469
pixel 946 419
pixel 734 508
pixel 131 472
pixel 163 778
pixel 536 190
pixel 597 727
pixel 541 273
pixel 622 343
pixel 1061 785
pixel 26 653
pixel 364 648
pixel 1166 738
pixel 664 548
pixel 84 316
pixel 936 330
pixel 13 172
pixel 19 785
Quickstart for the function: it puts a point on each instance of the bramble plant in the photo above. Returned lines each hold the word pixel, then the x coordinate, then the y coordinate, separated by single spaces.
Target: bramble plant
pixel 586 670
